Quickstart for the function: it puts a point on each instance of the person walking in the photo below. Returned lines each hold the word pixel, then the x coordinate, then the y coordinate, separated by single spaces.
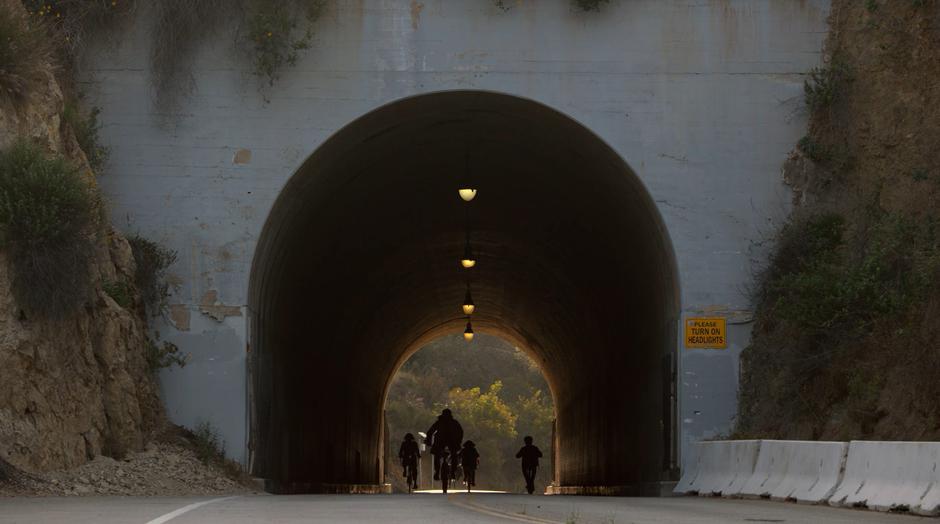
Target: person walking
pixel 447 465
pixel 469 460
pixel 409 453
pixel 530 456
pixel 445 432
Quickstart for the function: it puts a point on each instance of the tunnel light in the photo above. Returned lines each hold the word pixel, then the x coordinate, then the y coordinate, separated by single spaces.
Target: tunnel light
pixel 468 333
pixel 467 194
pixel 468 306
pixel 468 261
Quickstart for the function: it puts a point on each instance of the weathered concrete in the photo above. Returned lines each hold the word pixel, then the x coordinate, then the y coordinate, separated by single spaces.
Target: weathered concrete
pixel 701 99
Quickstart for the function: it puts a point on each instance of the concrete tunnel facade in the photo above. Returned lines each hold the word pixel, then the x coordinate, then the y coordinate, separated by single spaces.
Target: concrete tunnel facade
pixel 703 99
pixel 357 267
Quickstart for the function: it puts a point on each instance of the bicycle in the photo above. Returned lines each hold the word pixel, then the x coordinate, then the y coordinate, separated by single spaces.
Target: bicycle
pixel 411 477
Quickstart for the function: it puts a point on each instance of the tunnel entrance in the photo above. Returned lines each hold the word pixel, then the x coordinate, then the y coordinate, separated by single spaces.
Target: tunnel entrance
pixel 357 267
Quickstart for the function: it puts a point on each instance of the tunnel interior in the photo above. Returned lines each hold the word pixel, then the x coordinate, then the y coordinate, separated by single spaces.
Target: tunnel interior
pixel 358 266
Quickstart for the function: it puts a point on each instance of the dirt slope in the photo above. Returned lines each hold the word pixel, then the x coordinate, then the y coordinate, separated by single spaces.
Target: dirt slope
pixel 847 339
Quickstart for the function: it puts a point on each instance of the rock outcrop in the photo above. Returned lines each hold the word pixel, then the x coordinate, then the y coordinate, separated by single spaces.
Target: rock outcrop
pixel 79 387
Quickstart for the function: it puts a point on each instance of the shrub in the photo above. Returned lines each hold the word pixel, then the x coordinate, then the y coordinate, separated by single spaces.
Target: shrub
pixel 152 261
pixel 813 149
pixel 825 85
pixel 47 218
pixel 163 356
pixel 275 35
pixel 120 291
pixel 207 443
pixel 274 32
pixel 86 129
pixel 590 5
pixel 24 53
pixel 72 21
pixel 822 282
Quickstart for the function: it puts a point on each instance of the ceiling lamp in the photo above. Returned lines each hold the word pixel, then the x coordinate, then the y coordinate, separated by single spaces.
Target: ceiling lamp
pixel 467 194
pixel 468 306
pixel 468 333
pixel 468 261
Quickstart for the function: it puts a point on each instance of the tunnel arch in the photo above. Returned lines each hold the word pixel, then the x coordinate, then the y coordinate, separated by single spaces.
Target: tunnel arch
pixel 357 263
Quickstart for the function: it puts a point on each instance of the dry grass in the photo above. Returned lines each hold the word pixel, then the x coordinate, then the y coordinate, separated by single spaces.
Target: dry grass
pixel 25 51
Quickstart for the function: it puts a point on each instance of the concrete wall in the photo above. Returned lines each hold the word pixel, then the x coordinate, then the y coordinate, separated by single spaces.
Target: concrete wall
pixel 701 97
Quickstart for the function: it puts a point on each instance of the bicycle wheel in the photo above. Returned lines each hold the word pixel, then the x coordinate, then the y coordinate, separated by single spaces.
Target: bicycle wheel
pixel 411 479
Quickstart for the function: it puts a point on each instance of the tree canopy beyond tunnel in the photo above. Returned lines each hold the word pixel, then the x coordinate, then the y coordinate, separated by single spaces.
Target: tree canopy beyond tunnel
pixel 496 392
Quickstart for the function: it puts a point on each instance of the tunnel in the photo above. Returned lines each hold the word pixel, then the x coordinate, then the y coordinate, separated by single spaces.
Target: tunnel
pixel 357 267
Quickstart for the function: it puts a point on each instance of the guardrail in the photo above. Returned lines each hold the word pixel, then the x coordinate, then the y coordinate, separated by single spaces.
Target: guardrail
pixel 885 476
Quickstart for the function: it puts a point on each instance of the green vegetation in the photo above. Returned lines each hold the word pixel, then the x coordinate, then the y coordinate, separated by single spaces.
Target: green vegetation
pixel 152 261
pixel 210 450
pixel 825 285
pixel 48 215
pixel 162 356
pixel 85 127
pixel 495 391
pixel 277 35
pixel 848 307
pixel 120 291
pixel 584 5
pixel 832 289
pixel 179 26
pixel 590 5
pixel 207 443
pixel 273 33
pixel 813 150
pixel 24 51
pixel 71 22
pixel 826 85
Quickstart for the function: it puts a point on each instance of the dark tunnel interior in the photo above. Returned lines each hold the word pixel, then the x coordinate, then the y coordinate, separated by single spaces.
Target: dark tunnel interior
pixel 358 266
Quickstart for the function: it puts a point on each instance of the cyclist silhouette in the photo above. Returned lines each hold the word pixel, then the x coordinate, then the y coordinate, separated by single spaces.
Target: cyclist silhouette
pixel 445 432
pixel 409 454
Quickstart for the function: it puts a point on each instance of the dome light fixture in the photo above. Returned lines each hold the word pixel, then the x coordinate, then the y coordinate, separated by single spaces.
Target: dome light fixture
pixel 467 194
pixel 468 305
pixel 468 333
pixel 468 261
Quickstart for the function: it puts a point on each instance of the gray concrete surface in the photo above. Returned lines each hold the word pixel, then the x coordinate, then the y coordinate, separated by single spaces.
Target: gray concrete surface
pixel 452 509
pixel 702 98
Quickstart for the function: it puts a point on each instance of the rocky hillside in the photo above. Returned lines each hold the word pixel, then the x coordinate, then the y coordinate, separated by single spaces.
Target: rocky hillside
pixel 79 386
pixel 848 309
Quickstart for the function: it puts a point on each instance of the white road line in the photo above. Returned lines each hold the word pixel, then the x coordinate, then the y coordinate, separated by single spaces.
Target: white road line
pixel 173 514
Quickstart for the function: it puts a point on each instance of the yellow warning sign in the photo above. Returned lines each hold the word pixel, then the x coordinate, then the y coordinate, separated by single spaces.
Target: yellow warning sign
pixel 706 333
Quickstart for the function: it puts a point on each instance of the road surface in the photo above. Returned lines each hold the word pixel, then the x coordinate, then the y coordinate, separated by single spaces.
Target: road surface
pixel 450 509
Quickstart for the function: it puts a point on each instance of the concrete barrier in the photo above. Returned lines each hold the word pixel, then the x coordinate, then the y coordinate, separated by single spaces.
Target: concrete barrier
pixel 722 468
pixel 890 476
pixel 804 471
pixel 930 504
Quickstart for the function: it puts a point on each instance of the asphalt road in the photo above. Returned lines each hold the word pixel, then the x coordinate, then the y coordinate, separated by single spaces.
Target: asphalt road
pixel 450 509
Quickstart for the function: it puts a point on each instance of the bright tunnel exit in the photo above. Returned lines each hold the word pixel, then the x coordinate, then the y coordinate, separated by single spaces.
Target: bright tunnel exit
pixel 496 392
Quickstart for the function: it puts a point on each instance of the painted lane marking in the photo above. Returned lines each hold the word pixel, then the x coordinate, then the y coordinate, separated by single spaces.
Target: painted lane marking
pixel 493 512
pixel 185 509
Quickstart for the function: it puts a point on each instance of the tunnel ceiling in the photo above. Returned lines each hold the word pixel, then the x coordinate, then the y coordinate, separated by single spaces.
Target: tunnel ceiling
pixel 358 264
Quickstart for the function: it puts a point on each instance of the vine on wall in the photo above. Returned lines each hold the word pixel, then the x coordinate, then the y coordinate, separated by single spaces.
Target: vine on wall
pixel 272 34
pixel 584 5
